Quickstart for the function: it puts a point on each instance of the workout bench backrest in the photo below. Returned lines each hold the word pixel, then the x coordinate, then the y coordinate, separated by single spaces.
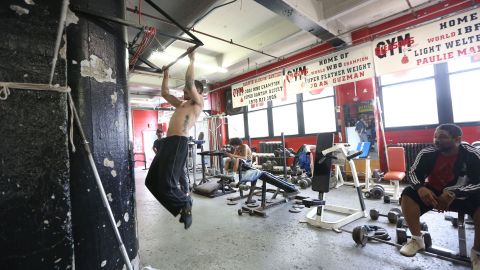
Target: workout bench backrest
pixel 321 171
pixel 396 159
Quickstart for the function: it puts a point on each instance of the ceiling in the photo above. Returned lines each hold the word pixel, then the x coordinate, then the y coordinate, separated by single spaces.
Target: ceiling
pixel 275 27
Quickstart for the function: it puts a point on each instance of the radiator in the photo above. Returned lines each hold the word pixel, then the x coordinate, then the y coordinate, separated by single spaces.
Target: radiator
pixel 411 152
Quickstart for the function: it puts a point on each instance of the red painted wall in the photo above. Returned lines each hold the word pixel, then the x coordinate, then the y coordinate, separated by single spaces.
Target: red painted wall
pixel 142 120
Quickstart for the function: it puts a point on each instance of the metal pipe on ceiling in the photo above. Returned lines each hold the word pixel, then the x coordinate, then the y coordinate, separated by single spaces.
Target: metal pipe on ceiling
pixel 411 9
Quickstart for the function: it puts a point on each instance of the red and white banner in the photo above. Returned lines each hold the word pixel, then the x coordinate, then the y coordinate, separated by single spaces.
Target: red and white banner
pixel 337 68
pixel 436 42
pixel 259 89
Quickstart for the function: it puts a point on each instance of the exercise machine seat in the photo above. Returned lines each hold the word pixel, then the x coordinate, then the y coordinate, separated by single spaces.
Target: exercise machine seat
pixel 396 164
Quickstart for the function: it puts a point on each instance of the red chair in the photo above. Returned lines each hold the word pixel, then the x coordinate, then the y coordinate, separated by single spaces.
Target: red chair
pixel 396 169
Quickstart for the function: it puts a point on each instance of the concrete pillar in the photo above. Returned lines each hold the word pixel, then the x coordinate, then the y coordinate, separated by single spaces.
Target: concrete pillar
pixel 35 211
pixel 97 75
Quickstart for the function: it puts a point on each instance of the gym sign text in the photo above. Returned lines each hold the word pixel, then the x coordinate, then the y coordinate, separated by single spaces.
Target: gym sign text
pixel 260 89
pixel 433 43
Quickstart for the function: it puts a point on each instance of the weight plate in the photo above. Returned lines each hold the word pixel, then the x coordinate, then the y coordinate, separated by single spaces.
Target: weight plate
pixel 359 235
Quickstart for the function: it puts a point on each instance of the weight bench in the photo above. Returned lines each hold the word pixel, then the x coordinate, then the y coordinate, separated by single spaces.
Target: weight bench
pixel 214 189
pixel 459 223
pixel 440 252
pixel 252 175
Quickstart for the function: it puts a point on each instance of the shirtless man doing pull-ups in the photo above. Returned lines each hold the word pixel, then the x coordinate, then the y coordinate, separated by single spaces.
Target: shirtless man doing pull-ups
pixel 166 178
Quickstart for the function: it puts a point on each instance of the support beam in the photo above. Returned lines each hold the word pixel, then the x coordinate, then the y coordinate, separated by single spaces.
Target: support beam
pixel 303 22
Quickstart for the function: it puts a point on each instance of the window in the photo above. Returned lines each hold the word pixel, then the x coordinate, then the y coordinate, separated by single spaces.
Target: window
pixel 236 127
pixel 258 124
pixel 319 111
pixel 465 96
pixel 285 120
pixel 258 106
pixel 408 75
pixel 464 63
pixel 285 100
pixel 410 98
pixel 319 115
pixel 410 104
pixel 284 114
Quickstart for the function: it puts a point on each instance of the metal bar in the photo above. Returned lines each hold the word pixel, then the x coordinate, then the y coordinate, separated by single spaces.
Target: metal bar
pixel 121 246
pixel 108 18
pixel 421 251
pixel 284 157
pixel 182 55
pixel 61 26
pixel 233 43
pixel 203 33
pixel 127 23
pixel 150 70
pixel 411 9
pixel 150 2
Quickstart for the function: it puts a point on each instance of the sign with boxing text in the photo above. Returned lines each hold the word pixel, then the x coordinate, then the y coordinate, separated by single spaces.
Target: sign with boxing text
pixel 433 43
pixel 259 89
pixel 337 68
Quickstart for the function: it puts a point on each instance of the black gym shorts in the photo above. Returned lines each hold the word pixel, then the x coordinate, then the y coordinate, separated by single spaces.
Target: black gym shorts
pixel 468 205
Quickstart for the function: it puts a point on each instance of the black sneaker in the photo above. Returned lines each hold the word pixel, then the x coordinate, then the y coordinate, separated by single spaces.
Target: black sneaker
pixel 186 216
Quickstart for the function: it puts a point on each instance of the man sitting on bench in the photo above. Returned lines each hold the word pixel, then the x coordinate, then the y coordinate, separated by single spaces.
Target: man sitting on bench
pixel 444 177
pixel 240 151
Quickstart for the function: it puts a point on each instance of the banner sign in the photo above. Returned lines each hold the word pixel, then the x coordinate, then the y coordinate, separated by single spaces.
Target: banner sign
pixel 434 43
pixel 260 89
pixel 341 67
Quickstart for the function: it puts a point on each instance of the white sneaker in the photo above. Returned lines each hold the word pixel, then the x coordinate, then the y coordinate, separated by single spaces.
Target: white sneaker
pixel 412 246
pixel 475 258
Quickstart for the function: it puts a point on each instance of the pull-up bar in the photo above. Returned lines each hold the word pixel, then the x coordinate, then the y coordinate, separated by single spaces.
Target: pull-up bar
pixel 194 40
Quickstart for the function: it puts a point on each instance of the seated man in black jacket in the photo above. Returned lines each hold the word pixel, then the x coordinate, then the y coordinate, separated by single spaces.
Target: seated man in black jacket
pixel 444 177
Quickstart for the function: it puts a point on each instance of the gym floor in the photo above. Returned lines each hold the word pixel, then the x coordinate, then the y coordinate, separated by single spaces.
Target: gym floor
pixel 221 239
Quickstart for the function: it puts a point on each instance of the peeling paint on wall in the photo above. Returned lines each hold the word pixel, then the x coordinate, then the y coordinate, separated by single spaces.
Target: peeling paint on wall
pixel 71 18
pixel 63 50
pixel 29 2
pixel 114 173
pixel 126 217
pixel 109 196
pixel 108 163
pixel 114 98
pixel 19 10
pixel 97 69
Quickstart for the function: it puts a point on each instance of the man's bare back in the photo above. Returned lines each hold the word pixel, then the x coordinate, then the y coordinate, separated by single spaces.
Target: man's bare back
pixel 184 118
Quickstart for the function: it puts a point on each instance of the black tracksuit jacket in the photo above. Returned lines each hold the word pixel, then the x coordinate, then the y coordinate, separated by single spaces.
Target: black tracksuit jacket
pixel 466 170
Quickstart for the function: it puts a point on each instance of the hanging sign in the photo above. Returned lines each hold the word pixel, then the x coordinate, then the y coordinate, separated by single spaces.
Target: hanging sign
pixel 436 42
pixel 259 89
pixel 337 68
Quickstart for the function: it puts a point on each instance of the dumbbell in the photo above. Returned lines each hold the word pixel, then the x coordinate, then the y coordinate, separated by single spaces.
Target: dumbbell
pixel 294 180
pixel 304 182
pixel 403 236
pixel 393 215
pixel 377 192
pixel 402 224
pixel 244 187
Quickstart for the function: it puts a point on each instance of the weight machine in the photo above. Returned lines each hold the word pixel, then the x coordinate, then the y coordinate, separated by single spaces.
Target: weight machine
pixel 324 155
